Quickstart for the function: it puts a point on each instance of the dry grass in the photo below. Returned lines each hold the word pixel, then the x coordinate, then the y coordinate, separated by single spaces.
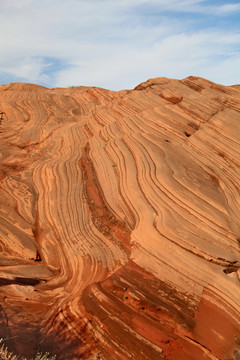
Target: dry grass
pixel 6 355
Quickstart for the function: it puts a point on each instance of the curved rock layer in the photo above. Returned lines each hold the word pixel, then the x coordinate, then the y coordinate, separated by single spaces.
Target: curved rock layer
pixel 119 213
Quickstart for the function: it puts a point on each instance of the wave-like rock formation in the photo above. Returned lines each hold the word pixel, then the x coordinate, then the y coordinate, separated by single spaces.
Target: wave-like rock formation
pixel 119 212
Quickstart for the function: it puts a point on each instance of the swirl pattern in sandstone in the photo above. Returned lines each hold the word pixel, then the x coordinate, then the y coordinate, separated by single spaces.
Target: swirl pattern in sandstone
pixel 119 215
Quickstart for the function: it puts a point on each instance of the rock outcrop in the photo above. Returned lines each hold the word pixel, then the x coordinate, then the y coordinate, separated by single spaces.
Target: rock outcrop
pixel 119 213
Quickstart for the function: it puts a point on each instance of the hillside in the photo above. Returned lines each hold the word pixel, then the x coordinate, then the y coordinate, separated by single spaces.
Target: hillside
pixel 119 220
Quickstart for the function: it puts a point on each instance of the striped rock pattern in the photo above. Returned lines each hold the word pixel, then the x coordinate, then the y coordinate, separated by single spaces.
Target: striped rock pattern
pixel 119 213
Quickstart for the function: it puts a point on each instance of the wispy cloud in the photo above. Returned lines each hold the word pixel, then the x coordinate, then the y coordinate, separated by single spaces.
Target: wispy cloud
pixel 118 44
pixel 227 8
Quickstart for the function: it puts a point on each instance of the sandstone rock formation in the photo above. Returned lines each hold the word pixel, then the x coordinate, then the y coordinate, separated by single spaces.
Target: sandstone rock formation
pixel 119 220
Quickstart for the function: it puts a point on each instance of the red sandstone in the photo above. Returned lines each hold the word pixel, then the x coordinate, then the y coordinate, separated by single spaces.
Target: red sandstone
pixel 119 220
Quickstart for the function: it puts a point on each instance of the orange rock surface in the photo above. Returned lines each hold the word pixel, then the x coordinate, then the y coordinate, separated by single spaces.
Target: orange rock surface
pixel 119 220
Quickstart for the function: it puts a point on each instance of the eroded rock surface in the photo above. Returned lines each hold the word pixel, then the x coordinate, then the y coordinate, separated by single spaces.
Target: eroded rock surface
pixel 119 214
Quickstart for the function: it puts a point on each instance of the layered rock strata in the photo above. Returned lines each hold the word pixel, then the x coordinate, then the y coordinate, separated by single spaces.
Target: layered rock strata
pixel 119 220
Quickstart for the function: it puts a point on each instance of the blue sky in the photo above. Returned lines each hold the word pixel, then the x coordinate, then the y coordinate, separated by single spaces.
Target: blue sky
pixel 118 44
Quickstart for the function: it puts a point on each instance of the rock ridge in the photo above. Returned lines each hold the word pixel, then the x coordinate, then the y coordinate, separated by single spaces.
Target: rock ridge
pixel 119 220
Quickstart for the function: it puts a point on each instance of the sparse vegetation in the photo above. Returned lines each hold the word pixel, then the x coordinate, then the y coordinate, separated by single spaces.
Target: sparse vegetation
pixel 237 350
pixel 6 355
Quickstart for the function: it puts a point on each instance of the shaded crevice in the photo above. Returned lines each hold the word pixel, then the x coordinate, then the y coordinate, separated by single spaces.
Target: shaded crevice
pixel 37 236
pixel 4 317
pixel 202 346
pixel 231 269
pixel 20 281
pixel 38 257
pixel 2 113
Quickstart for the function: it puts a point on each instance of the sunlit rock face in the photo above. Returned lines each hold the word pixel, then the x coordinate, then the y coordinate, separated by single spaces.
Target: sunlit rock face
pixel 119 213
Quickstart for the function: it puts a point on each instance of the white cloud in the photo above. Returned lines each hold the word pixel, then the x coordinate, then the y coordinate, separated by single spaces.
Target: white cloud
pixel 176 56
pixel 27 68
pixel 227 8
pixel 114 44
